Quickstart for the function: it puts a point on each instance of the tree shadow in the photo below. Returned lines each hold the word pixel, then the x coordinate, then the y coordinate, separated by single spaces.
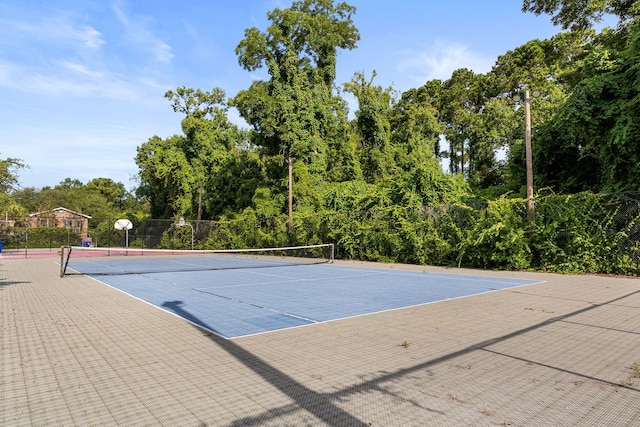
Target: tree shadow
pixel 304 397
pixel 4 283
pixel 322 404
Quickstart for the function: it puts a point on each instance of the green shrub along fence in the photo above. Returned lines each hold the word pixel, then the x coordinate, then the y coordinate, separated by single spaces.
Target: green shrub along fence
pixel 581 233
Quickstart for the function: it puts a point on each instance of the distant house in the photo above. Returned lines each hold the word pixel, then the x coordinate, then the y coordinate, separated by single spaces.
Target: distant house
pixel 7 223
pixel 63 218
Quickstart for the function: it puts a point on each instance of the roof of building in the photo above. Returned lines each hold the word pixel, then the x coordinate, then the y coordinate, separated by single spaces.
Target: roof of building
pixel 60 209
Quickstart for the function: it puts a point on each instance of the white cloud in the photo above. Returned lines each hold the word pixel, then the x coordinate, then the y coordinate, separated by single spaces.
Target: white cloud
pixel 140 35
pixel 162 51
pixel 54 53
pixel 81 69
pixel 57 27
pixel 440 61
pixel 74 79
pixel 89 36
pixel 122 17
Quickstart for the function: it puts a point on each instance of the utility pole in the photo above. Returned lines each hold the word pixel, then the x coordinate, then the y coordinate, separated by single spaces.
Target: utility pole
pixel 528 155
pixel 200 190
pixel 290 160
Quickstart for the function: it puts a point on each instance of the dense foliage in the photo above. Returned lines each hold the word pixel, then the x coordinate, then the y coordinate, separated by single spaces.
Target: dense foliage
pixel 395 180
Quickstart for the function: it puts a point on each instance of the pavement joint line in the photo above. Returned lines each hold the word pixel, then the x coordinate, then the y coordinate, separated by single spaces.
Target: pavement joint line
pixel 566 371
pixel 477 360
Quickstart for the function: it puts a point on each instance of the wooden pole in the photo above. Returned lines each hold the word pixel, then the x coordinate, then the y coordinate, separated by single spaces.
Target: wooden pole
pixel 200 190
pixel 529 157
pixel 290 194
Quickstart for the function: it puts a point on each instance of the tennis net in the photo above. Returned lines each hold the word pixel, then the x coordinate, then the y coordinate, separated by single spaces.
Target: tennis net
pixel 94 261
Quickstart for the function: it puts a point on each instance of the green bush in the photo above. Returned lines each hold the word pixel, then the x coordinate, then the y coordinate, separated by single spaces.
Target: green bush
pixel 581 233
pixel 51 237
pixel 578 234
pixel 499 237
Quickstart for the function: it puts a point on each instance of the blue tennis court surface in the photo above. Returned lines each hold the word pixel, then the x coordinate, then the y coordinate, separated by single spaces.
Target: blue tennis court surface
pixel 238 302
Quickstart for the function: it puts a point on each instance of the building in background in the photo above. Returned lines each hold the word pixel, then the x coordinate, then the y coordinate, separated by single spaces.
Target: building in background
pixel 74 222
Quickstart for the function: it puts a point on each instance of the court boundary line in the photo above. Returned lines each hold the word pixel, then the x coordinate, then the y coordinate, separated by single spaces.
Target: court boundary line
pixel 383 311
pixel 319 322
pixel 295 316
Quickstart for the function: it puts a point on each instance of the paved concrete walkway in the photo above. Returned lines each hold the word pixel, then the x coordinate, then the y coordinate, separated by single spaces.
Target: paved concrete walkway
pixel 562 352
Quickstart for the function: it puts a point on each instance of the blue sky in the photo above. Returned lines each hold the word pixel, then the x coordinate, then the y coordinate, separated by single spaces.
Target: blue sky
pixel 82 81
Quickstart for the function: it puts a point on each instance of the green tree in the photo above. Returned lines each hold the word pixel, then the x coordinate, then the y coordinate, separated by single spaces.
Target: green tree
pixel 296 113
pixel 26 197
pixel 177 174
pixel 461 99
pixel 163 180
pixel 238 178
pixel 9 174
pixel 592 142
pixel 581 14
pixel 373 126
pixel 416 129
pixel 11 207
pixel 114 192
pixel 489 134
pixel 100 197
pixel 539 65
pixel 431 96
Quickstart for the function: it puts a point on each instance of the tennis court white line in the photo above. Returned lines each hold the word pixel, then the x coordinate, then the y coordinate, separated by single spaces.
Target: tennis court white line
pixel 258 273
pixel 288 279
pixel 458 277
pixel 98 263
pixel 241 285
pixel 338 319
pixel 284 313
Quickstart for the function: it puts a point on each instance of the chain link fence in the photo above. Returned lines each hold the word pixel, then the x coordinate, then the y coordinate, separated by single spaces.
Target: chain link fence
pixel 583 232
pixel 16 235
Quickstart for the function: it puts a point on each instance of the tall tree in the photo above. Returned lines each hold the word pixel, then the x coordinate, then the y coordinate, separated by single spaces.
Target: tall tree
pixel 581 14
pixel 416 129
pixel 542 66
pixel 373 126
pixel 9 205
pixel 114 192
pixel 295 113
pixel 592 141
pixel 461 99
pixel 491 132
pixel 9 174
pixel 164 179
pixel 100 198
pixel 177 174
